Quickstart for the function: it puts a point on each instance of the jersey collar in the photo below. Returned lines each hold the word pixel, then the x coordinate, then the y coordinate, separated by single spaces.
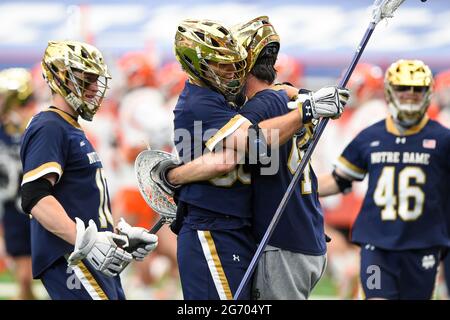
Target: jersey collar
pixel 66 117
pixel 392 128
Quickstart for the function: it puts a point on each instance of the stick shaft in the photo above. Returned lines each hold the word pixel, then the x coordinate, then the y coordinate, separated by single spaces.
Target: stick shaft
pixel 153 230
pixel 158 225
pixel 300 168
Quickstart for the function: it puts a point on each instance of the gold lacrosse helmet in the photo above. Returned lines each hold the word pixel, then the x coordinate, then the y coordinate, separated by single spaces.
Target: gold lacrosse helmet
pixel 15 89
pixel 210 55
pixel 407 86
pixel 77 72
pixel 254 36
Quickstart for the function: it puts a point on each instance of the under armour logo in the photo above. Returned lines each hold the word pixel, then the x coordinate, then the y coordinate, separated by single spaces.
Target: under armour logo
pixel 428 262
pixel 308 113
pixel 236 257
pixel 399 140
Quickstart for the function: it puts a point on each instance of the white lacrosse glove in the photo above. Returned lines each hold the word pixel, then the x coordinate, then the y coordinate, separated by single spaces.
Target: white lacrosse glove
pixel 327 102
pixel 100 249
pixel 140 241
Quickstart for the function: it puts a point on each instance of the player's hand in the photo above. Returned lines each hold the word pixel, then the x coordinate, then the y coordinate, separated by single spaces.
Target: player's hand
pixel 101 249
pixel 290 90
pixel 327 102
pixel 159 175
pixel 140 241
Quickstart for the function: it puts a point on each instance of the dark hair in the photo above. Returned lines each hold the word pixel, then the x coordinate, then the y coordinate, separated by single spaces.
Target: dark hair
pixel 264 66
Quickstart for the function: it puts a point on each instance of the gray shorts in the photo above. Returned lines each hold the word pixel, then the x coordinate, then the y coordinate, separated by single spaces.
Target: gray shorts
pixel 286 275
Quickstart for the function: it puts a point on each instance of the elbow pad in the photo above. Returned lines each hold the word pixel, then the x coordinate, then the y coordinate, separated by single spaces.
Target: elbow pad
pixel 34 191
pixel 344 184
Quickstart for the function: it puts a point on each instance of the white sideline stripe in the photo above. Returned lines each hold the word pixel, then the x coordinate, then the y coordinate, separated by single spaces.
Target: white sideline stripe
pixel 86 284
pixel 211 265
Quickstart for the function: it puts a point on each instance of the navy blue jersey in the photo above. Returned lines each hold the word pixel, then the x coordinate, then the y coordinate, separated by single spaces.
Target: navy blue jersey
pixel 404 207
pixel 10 169
pixel 55 143
pixel 202 120
pixel 300 228
pixel 16 225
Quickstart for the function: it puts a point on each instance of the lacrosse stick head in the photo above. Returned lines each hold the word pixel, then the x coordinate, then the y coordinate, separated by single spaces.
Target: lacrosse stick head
pixel 382 9
pixel 150 188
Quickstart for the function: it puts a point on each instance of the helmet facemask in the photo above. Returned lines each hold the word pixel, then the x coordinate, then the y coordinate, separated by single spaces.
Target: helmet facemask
pixel 408 86
pixel 86 92
pixel 211 56
pixel 408 104
pixel 228 78
pixel 77 72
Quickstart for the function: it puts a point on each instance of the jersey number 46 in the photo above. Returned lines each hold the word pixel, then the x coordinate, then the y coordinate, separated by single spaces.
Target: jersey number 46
pixel 407 201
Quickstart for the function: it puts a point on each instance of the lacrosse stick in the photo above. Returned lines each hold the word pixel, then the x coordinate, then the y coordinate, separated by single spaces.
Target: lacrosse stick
pixel 152 192
pixel 381 9
pixel 155 196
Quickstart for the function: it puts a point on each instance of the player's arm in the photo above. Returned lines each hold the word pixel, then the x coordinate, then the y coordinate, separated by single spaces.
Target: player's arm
pixel 286 126
pixel 326 102
pixel 38 200
pixel 214 164
pixel 334 183
pixel 206 167
pixel 350 166
pixel 102 249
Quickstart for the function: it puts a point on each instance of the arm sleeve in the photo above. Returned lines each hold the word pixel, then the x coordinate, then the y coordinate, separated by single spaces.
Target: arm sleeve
pixel 42 152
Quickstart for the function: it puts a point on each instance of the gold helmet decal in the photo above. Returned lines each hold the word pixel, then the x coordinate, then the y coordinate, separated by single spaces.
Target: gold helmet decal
pixel 408 85
pixel 15 89
pixel 210 55
pixel 76 71
pixel 254 36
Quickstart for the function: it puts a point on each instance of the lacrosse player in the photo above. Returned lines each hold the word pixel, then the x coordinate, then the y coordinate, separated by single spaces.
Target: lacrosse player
pixel 215 243
pixel 295 257
pixel 401 227
pixel 17 104
pixel 64 187
pixel 228 176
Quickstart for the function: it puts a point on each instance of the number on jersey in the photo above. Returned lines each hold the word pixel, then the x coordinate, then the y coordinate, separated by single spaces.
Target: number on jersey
pixel 410 198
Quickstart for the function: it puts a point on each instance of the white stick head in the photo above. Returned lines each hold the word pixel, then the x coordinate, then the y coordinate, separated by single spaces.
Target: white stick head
pixel 384 9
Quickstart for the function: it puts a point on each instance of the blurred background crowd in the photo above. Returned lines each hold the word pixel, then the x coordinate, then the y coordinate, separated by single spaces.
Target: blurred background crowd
pixel 136 38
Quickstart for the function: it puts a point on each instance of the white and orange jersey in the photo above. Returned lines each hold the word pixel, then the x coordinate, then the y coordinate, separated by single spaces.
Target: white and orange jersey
pixel 102 133
pixel 144 121
pixel 443 117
